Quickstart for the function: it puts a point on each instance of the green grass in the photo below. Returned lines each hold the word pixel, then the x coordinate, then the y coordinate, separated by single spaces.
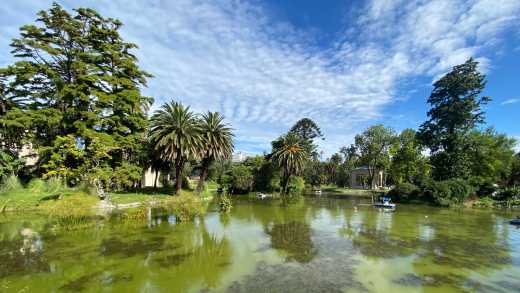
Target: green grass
pixel 350 191
pixel 211 185
pixel 150 194
pixel 124 198
pixel 15 196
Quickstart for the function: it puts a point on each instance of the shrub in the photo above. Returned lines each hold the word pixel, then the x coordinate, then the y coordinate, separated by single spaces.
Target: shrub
pixel 448 192
pixel 239 179
pixel 71 211
pixel 87 188
pixel 10 183
pixel 225 203
pixel 485 189
pixel 10 164
pixel 125 176
pixel 185 206
pixel 485 202
pixel 404 192
pixel 50 186
pixel 296 185
pixel 509 193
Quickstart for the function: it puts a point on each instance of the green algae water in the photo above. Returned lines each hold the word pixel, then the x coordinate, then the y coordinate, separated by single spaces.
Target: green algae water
pixel 313 245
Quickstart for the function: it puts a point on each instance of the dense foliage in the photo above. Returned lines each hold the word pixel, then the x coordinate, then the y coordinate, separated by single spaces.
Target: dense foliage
pixel 74 92
pixel 373 147
pixel 289 153
pixel 408 164
pixel 456 111
pixel 217 139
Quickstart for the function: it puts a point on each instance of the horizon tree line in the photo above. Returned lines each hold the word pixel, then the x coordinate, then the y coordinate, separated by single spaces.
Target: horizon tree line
pixel 74 93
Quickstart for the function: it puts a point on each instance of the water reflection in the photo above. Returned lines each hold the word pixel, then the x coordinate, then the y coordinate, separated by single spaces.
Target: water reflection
pixel 295 239
pixel 311 245
pixel 444 247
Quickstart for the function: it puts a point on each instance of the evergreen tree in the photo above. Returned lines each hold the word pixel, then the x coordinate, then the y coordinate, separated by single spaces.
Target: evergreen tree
pixel 80 81
pixel 456 110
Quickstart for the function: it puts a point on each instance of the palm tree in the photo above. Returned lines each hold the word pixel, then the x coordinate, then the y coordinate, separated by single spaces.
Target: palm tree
pixel 290 154
pixel 175 133
pixel 217 139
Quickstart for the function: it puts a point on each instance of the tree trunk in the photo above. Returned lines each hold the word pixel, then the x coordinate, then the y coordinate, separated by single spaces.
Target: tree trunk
pixel 285 184
pixel 203 175
pixel 155 180
pixel 178 179
pixel 178 174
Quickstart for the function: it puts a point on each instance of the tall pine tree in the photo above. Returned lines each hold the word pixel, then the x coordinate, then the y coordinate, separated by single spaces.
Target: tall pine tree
pixel 77 80
pixel 456 110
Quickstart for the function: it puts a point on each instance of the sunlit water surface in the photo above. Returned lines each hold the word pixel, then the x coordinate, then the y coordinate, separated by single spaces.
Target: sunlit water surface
pixel 314 245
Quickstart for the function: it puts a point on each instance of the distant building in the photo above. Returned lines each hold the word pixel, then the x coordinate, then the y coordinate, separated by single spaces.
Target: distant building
pixel 238 157
pixel 360 178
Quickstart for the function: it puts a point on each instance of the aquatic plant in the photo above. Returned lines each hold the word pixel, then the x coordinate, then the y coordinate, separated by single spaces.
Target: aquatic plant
pixel 185 206
pixel 141 212
pixel 485 202
pixel 225 203
pixel 71 212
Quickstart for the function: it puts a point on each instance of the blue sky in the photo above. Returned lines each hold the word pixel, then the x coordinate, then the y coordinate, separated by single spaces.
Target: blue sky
pixel 345 64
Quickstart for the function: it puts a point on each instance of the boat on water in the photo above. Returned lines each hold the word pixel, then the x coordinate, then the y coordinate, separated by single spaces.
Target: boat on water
pixel 385 204
pixel 261 195
pixel 515 222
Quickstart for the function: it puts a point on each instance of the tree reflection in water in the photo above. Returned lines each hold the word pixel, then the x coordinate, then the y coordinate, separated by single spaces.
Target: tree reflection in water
pixel 444 253
pixel 295 239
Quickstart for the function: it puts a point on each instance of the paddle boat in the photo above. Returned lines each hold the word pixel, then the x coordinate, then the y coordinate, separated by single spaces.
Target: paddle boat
pixel 261 195
pixel 515 222
pixel 385 204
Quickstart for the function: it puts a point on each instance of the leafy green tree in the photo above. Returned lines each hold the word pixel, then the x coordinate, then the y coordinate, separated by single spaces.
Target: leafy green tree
pixel 350 162
pixel 217 141
pixel 373 148
pixel 77 77
pixel 290 155
pixel 491 156
pixel 456 110
pixel 266 174
pixel 514 177
pixel 239 179
pixel 332 166
pixel 408 164
pixel 10 164
pixel 315 173
pixel 176 134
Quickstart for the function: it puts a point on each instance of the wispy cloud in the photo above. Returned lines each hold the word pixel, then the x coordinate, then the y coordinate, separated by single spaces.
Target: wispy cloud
pixel 263 74
pixel 510 101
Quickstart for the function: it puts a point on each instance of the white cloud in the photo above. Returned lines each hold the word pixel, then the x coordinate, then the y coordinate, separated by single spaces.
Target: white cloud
pixel 510 101
pixel 264 74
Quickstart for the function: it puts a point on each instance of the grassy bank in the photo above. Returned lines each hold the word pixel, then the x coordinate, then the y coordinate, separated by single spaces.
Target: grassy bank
pixel 72 208
pixel 351 192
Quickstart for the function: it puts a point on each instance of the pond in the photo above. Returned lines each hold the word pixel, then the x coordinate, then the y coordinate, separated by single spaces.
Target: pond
pixel 317 244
